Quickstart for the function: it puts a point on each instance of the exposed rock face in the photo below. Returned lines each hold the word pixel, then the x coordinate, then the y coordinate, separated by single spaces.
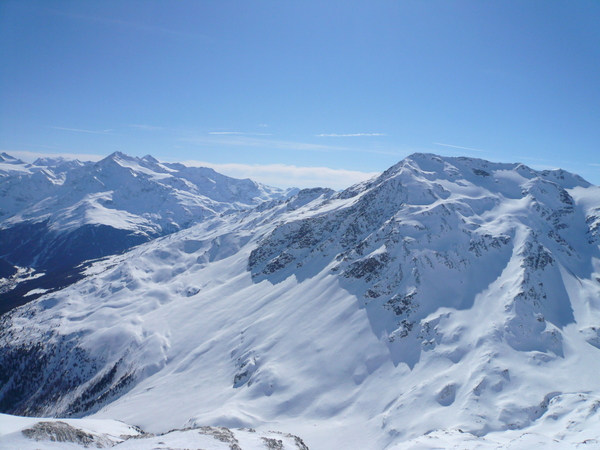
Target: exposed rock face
pixel 63 432
pixel 78 433
pixel 410 226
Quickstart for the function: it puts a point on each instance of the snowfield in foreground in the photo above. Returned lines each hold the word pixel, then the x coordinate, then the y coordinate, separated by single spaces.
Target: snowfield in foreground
pixel 450 301
pixel 48 434
pixel 570 422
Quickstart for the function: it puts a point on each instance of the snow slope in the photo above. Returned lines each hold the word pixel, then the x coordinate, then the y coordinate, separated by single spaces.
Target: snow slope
pixel 47 434
pixel 450 300
pixel 60 212
pixel 56 214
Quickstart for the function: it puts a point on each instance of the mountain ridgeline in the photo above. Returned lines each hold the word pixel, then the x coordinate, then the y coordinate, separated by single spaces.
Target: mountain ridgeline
pixel 56 214
pixel 446 293
pixel 62 212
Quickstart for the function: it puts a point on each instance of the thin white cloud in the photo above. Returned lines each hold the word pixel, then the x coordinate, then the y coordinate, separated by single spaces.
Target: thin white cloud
pixel 83 131
pixel 249 141
pixel 239 133
pixel 263 125
pixel 534 159
pixel 48 146
pixel 350 135
pixel 146 127
pixel 592 164
pixel 282 175
pixel 464 148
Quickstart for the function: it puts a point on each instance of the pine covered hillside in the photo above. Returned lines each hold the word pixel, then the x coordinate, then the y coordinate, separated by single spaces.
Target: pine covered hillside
pixel 449 301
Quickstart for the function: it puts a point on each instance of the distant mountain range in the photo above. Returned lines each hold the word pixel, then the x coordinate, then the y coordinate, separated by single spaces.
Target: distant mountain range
pixel 58 213
pixel 447 302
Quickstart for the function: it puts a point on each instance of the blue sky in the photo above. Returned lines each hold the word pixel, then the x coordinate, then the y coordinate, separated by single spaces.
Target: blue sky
pixel 303 93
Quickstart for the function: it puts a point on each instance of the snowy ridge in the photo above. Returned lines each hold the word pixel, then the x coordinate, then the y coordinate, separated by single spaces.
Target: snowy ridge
pixel 447 294
pixel 55 209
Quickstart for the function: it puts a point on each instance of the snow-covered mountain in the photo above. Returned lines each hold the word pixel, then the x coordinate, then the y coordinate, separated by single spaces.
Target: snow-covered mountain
pixel 449 300
pixel 57 213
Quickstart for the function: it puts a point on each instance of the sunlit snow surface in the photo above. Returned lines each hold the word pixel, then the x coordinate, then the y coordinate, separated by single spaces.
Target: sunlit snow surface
pixel 449 301
pixel 121 191
pixel 48 434
pixel 59 213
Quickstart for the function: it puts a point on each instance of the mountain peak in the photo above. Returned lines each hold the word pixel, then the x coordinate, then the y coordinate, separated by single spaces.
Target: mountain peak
pixel 151 159
pixel 57 161
pixel 121 156
pixel 475 170
pixel 6 158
